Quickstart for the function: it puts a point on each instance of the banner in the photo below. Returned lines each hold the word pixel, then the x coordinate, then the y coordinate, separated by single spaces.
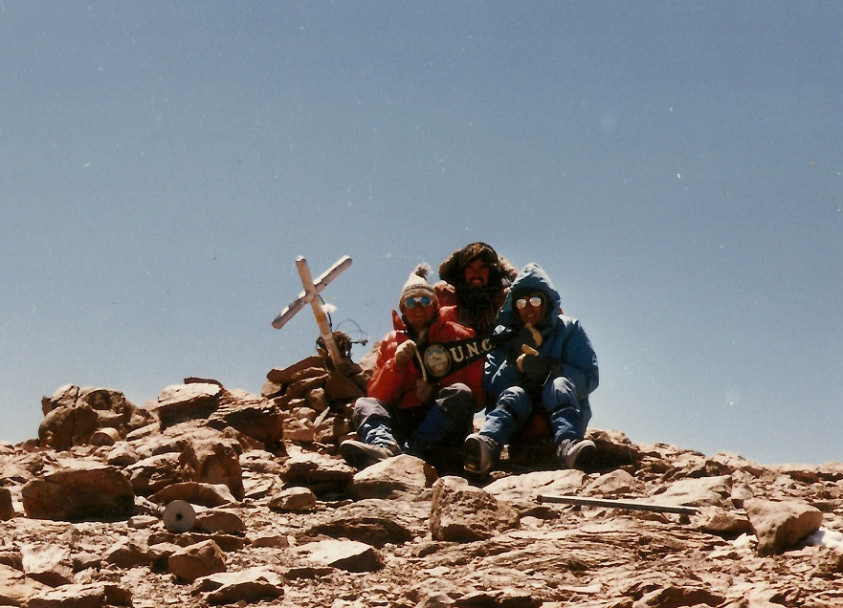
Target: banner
pixel 439 360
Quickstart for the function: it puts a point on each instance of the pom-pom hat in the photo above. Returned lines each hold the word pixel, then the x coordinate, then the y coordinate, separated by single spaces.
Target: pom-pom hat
pixel 417 286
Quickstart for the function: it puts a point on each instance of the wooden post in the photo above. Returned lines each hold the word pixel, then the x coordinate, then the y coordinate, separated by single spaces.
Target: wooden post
pixel 311 295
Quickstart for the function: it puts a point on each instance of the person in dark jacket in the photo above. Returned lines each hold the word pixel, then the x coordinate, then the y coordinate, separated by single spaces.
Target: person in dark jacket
pixel 543 361
pixel 472 288
pixel 406 409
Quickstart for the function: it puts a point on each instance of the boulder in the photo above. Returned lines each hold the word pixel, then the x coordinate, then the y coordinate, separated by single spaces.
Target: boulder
pixel 402 477
pixel 181 402
pixel 87 492
pixel 197 560
pixel 463 513
pixel 781 525
pixel 348 555
pixel 213 460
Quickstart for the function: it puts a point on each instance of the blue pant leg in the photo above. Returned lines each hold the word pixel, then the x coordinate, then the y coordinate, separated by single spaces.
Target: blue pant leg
pixel 372 421
pixel 449 419
pixel 511 414
pixel 568 418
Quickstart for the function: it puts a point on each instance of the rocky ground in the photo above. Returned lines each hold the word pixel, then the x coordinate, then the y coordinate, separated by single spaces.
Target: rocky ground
pixel 210 496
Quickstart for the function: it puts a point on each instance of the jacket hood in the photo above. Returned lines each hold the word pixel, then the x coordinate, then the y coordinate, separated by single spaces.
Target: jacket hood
pixel 531 278
pixel 452 270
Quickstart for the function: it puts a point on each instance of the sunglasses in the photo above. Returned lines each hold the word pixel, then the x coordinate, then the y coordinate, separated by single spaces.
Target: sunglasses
pixel 535 302
pixel 423 301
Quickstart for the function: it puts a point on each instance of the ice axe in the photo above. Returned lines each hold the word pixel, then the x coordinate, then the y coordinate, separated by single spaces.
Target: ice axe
pixel 617 504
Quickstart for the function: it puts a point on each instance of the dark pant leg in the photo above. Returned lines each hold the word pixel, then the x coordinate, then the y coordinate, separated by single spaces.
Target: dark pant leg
pixel 568 418
pixel 372 421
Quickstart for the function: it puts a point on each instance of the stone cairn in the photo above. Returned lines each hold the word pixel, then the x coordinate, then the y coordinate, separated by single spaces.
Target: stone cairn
pixel 318 396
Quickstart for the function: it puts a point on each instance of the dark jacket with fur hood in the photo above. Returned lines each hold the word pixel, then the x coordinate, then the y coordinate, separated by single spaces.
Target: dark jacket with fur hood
pixel 477 309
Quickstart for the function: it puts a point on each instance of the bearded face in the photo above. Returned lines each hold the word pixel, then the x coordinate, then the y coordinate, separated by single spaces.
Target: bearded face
pixel 477 274
pixel 477 303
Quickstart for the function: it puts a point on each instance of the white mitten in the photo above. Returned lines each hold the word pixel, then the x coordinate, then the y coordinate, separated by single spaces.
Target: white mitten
pixel 404 353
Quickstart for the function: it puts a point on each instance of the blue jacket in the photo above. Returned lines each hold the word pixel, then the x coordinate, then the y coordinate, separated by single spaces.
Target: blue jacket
pixel 564 341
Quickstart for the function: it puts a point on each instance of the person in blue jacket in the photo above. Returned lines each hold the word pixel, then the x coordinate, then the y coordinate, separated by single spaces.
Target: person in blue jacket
pixel 542 361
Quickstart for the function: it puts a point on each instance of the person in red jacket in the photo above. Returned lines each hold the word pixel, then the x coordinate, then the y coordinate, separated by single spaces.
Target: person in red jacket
pixel 408 408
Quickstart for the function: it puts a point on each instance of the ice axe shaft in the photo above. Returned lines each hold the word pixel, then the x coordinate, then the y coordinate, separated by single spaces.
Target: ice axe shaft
pixel 617 504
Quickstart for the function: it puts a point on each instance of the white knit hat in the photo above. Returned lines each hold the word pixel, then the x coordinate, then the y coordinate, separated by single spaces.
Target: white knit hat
pixel 417 286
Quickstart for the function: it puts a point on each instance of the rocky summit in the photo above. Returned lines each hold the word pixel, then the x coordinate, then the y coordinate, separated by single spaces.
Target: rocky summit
pixel 213 497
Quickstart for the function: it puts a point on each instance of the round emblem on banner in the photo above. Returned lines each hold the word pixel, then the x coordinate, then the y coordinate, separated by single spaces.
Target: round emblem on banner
pixel 436 359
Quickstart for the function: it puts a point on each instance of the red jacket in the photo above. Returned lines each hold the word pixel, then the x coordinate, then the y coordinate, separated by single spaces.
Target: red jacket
pixel 395 385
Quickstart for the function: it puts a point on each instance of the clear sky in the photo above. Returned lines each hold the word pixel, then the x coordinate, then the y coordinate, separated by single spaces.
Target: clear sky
pixel 676 167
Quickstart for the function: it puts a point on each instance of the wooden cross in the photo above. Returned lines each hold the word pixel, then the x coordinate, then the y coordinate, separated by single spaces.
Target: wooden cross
pixel 311 295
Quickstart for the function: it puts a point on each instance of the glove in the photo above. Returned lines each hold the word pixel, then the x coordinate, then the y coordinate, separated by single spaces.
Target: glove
pixel 533 365
pixel 529 336
pixel 404 353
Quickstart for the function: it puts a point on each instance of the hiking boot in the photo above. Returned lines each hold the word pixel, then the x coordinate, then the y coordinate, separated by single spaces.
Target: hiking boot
pixel 481 453
pixel 360 454
pixel 575 453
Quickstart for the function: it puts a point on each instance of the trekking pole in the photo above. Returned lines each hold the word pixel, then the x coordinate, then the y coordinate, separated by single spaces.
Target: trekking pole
pixel 617 504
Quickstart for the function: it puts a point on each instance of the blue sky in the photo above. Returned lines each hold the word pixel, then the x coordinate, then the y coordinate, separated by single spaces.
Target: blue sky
pixel 677 167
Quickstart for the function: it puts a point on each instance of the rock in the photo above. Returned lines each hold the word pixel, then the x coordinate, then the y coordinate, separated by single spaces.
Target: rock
pixel 339 387
pixel 615 483
pixel 122 455
pixel 197 560
pixel 722 522
pixel 463 513
pixel 47 563
pixel 213 461
pixel 154 473
pixel 674 596
pixel 251 586
pixel 127 554
pixel 781 525
pixel 697 492
pixel 250 415
pixel 293 499
pixel 205 494
pixel 93 595
pixel 182 402
pixel 81 493
pixel 286 375
pixel 371 521
pixel 523 489
pixel 318 472
pixel 63 428
pixel 348 555
pixel 220 520
pixel 73 415
pixel 403 477
pixel 7 509
pixel 16 589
